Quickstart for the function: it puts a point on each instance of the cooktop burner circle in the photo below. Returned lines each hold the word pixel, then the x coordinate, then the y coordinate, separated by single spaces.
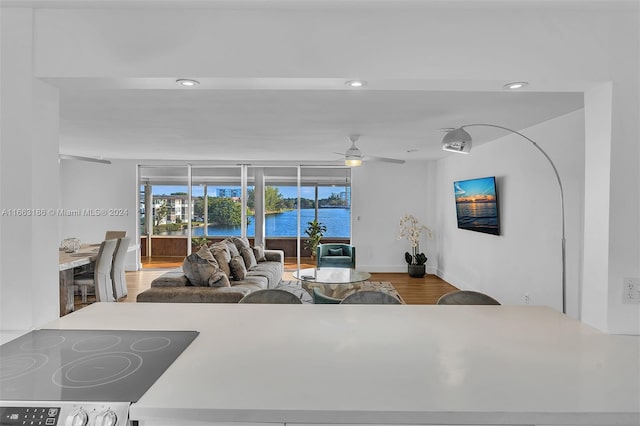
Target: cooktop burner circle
pixel 97 370
pixel 42 343
pixel 150 344
pixel 19 365
pixel 96 343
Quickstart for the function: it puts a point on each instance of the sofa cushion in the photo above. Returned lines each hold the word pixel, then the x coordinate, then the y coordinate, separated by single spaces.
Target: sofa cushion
pixel 272 271
pixel 173 278
pixel 238 268
pixel 233 250
pixel 201 269
pixel 241 242
pixel 194 294
pixel 336 261
pixel 259 254
pixel 248 256
pixel 204 253
pixel 220 280
pixel 223 257
pixel 251 283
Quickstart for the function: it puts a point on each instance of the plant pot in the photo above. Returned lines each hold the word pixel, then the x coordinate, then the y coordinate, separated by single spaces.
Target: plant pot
pixel 416 271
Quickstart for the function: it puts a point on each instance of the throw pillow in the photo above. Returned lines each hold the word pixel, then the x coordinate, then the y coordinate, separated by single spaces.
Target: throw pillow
pixel 221 254
pixel 258 252
pixel 249 258
pixel 220 279
pixel 199 268
pixel 233 250
pixel 334 252
pixel 205 253
pixel 241 242
pixel 238 268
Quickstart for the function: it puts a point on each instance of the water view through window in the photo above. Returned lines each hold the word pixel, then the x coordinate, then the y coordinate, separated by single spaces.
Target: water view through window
pixel 224 210
pixel 337 221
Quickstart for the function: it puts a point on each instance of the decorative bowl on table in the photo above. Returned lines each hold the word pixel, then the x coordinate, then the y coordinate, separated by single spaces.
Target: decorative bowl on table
pixel 70 245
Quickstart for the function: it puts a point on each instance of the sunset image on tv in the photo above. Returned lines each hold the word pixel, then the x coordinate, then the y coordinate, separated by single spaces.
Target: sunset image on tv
pixel 477 205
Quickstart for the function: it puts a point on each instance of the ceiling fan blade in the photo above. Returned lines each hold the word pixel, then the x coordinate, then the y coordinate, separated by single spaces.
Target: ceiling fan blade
pixel 386 160
pixel 77 157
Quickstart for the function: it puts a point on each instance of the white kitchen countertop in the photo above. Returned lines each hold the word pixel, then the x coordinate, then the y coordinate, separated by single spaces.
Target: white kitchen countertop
pixel 392 364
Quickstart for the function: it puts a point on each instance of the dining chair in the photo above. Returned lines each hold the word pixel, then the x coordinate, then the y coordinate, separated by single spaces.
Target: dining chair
pixel 466 297
pixel 319 298
pixel 370 297
pixel 100 278
pixel 271 295
pixel 117 269
pixel 114 235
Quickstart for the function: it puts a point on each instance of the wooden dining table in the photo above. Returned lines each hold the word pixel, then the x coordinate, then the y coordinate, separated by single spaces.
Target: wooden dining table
pixel 68 261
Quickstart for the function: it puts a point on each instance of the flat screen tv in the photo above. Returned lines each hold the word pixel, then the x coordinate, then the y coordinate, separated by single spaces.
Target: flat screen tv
pixel 477 205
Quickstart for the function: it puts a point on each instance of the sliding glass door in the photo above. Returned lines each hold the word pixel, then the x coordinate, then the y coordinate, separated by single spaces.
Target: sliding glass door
pixel 271 205
pixel 220 202
pixel 165 211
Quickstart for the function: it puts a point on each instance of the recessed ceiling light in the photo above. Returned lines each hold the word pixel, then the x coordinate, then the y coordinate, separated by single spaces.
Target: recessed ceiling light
pixel 355 83
pixel 187 82
pixel 515 85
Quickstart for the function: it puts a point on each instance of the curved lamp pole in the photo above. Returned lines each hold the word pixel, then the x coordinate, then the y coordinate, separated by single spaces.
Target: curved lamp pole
pixel 458 140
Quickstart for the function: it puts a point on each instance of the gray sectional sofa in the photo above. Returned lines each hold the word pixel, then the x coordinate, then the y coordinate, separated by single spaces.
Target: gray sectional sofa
pixel 224 287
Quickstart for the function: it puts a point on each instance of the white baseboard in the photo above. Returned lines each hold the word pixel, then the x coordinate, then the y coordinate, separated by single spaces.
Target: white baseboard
pixel 391 269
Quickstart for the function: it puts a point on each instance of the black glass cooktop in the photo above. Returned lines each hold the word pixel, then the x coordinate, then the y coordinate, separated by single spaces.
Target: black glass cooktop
pixel 87 365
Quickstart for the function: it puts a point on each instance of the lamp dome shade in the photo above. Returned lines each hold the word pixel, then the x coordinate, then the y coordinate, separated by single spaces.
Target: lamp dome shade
pixel 457 140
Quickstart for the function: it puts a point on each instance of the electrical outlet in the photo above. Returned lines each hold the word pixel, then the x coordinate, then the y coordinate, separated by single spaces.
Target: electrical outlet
pixel 527 299
pixel 631 290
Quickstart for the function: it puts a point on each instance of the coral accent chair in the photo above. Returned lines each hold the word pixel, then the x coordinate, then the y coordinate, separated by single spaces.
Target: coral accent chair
pixel 336 255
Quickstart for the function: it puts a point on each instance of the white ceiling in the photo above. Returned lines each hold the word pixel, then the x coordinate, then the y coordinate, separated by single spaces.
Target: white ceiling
pixel 241 113
pixel 258 124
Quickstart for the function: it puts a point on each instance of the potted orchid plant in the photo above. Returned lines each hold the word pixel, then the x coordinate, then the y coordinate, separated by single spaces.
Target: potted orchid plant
pixel 411 228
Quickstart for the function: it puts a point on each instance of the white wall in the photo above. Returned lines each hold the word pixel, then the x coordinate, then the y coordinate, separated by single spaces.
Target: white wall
pixel 526 257
pixel 381 194
pixel 29 182
pixel 109 189
pixel 598 107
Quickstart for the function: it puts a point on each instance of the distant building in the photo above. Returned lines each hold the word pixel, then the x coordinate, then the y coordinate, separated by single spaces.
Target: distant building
pixel 177 207
pixel 229 192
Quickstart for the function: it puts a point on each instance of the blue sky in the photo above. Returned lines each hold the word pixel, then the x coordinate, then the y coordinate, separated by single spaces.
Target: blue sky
pixel 287 192
pixel 475 187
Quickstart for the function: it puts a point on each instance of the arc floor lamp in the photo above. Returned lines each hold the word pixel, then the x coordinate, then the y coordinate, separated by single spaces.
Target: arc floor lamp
pixel 458 140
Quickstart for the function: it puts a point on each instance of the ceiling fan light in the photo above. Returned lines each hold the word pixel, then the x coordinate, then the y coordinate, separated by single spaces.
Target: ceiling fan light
pixel 516 85
pixel 457 140
pixel 187 82
pixel 352 162
pixel 355 83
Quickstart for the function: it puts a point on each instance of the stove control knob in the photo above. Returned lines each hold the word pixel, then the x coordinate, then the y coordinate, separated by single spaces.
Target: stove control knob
pixel 77 418
pixel 106 418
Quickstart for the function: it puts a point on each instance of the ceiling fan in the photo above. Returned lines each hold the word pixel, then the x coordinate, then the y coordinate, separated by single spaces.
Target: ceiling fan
pixel 77 157
pixel 353 156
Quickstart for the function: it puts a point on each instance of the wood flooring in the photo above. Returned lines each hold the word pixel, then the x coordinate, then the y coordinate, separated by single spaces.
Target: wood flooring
pixel 415 291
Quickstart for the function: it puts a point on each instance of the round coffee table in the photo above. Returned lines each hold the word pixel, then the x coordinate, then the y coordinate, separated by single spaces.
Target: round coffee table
pixel 334 282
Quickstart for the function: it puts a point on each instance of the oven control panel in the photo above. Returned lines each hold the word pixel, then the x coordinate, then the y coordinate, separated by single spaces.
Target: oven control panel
pixel 14 413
